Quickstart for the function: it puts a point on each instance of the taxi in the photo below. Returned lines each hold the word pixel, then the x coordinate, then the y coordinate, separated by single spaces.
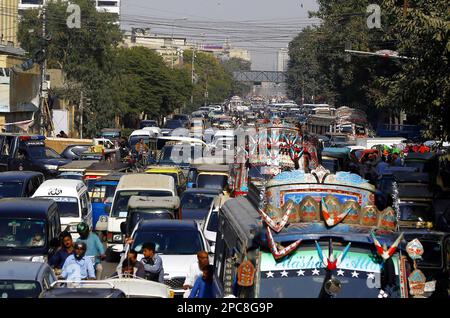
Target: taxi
pixel 72 199
pixel 171 171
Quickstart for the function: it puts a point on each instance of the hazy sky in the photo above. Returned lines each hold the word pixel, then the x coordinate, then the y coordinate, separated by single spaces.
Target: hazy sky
pixel 262 26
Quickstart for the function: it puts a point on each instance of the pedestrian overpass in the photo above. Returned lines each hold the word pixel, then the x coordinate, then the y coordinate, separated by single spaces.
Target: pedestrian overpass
pixel 260 76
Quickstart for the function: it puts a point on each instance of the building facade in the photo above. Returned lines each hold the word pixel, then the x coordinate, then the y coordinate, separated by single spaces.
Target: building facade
pixel 8 22
pixel 283 60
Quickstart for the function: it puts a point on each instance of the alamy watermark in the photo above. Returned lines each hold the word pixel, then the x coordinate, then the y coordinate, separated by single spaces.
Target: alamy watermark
pixel 374 19
pixel 74 19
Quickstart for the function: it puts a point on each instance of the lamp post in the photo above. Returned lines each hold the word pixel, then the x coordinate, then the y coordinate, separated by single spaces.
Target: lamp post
pixel 172 46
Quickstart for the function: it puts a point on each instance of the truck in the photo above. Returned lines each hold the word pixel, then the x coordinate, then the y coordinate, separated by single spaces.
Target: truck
pixel 305 235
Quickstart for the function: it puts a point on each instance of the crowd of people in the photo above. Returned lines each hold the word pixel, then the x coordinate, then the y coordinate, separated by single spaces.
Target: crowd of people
pixel 81 260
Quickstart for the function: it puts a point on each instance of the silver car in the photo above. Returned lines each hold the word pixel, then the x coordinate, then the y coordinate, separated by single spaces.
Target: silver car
pixel 20 279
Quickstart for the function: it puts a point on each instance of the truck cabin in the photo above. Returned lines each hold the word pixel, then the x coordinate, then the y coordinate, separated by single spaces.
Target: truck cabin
pixel 301 274
pixel 435 261
pixel 413 195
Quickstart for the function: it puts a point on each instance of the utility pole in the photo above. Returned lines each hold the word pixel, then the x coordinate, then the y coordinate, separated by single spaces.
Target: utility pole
pixel 192 74
pixel 81 114
pixel 42 129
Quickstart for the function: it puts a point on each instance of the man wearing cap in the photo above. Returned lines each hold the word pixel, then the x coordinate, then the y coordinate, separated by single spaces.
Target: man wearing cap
pixel 95 249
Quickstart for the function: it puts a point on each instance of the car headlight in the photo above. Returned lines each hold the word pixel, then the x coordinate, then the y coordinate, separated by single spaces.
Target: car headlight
pixel 103 218
pixel 51 167
pixel 39 259
pixel 73 228
pixel 117 237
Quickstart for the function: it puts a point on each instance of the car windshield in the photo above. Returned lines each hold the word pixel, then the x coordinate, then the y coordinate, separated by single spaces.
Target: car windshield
pixel 39 152
pixel 212 181
pixel 196 205
pixel 213 223
pixel 67 206
pixel 22 233
pixel 71 176
pixel 359 275
pixel 11 189
pixel 177 154
pixel 416 212
pixel 101 192
pixel 19 289
pixel 148 214
pixel 135 139
pixel 120 206
pixel 173 124
pixel 170 241
pixel 432 255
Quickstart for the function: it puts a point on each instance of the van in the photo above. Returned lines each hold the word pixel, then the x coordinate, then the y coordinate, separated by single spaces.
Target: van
pixel 213 176
pixel 72 199
pixel 139 184
pixel 21 219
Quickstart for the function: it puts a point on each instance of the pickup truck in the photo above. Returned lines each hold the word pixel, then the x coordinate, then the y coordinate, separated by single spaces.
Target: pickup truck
pixel 29 153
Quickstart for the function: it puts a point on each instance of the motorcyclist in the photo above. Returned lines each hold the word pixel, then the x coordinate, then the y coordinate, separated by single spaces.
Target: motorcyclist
pixel 66 249
pixel 77 266
pixel 95 249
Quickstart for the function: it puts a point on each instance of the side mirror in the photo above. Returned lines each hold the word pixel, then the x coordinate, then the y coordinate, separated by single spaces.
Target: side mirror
pixel 107 209
pixel 84 212
pixel 212 249
pixel 123 227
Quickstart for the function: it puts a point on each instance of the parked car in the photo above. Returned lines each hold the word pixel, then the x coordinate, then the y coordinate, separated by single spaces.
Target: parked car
pixel 29 229
pixel 72 199
pixel 177 242
pixel 16 184
pixel 19 279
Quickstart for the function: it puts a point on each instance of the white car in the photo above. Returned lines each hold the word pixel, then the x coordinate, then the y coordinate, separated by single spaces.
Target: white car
pixel 177 243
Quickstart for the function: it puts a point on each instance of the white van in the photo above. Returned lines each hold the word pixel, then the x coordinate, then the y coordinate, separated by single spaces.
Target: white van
pixel 72 199
pixel 139 184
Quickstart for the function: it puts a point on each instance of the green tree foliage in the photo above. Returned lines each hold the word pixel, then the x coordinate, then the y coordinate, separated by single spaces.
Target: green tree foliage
pixel 235 64
pixel 210 75
pixel 422 85
pixel 118 81
pixel 320 67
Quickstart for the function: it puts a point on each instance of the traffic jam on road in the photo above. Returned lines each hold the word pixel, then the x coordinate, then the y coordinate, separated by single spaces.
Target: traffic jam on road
pixel 246 199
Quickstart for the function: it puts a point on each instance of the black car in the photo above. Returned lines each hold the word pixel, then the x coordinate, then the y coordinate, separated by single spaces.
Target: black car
pixel 16 184
pixel 29 153
pixel 74 152
pixel 148 123
pixel 196 203
pixel 171 125
pixel 29 229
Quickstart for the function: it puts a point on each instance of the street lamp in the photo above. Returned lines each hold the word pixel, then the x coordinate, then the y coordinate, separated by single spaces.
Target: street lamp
pixel 173 25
